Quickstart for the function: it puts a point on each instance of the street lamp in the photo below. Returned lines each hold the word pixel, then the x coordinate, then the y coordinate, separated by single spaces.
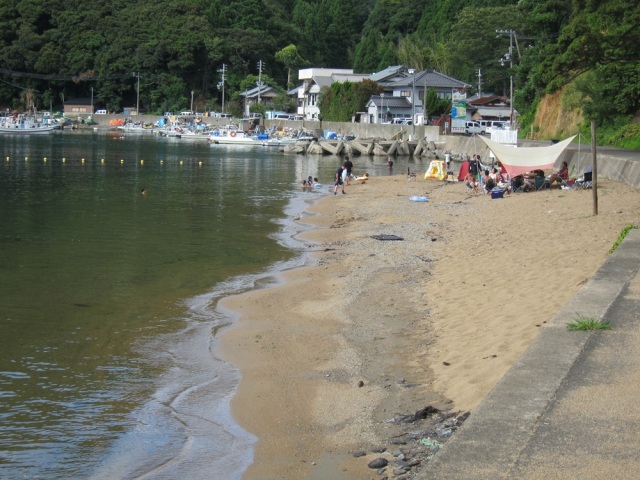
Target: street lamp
pixel 412 72
pixel 191 109
pixel 382 108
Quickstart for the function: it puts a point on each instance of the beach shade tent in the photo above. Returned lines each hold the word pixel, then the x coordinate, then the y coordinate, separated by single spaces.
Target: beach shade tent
pixel 517 161
pixel 464 169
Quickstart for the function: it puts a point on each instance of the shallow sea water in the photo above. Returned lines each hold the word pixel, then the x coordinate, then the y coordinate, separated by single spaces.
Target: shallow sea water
pixel 108 297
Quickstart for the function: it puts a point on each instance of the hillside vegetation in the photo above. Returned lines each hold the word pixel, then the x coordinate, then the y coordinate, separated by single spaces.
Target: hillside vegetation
pixel 585 49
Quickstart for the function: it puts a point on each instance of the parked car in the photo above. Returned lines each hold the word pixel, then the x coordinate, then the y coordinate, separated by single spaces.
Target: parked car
pixel 473 128
pixel 101 112
pixel 401 121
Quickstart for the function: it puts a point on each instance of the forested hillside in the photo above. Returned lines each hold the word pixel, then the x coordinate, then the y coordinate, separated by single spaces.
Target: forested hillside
pixel 72 48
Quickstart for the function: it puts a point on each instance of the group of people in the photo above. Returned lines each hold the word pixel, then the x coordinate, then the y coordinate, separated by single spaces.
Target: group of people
pixel 496 180
pixel 310 182
pixel 536 179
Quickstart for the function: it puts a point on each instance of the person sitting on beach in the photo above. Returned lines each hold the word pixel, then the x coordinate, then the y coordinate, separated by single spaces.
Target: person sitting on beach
pixel 561 175
pixel 489 183
pixel 471 182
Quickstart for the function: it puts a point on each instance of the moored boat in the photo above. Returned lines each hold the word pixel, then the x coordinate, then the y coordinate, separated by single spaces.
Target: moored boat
pixel 232 135
pixel 24 124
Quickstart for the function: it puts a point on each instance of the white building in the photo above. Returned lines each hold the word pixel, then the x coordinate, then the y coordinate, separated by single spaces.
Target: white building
pixel 316 78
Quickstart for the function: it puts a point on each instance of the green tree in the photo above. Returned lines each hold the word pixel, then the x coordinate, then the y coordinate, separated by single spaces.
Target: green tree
pixel 290 57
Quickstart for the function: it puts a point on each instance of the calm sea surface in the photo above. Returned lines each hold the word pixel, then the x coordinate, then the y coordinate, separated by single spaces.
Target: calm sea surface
pixel 107 297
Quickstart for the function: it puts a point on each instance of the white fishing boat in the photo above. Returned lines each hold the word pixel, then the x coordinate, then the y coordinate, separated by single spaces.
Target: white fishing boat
pixel 135 127
pixel 284 140
pixel 232 135
pixel 24 125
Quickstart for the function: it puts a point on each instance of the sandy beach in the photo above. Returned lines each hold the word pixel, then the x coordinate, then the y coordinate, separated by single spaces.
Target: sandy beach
pixel 372 329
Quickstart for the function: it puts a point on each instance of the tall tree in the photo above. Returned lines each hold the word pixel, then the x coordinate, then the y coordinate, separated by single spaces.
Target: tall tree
pixel 290 57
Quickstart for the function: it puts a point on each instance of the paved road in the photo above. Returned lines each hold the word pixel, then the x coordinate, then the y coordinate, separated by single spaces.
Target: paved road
pixel 568 409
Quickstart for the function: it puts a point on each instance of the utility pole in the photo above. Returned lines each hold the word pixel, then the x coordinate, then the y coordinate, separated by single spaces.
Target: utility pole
pixel 223 70
pixel 138 96
pixel 260 67
pixel 509 57
pixel 412 72
pixel 479 82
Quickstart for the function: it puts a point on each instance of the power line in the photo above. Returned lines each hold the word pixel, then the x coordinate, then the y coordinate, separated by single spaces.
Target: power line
pixel 66 78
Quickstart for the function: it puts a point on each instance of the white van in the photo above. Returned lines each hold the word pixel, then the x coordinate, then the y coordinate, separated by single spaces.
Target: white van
pixel 101 112
pixel 490 125
pixel 401 121
pixel 473 128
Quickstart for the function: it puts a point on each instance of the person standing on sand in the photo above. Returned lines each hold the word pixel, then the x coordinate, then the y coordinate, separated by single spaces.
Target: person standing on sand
pixel 348 165
pixel 338 180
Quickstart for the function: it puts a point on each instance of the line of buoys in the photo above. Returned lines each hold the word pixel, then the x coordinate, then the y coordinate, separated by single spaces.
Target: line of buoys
pixel 102 161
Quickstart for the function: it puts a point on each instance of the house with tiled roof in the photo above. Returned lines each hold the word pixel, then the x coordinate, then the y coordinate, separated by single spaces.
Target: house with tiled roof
pixel 258 94
pixel 404 95
pixel 489 107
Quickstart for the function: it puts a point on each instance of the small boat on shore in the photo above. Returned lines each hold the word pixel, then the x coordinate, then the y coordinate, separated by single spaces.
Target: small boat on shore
pixel 24 125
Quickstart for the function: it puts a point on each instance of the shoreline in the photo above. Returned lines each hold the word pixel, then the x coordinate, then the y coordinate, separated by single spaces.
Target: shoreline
pixel 376 329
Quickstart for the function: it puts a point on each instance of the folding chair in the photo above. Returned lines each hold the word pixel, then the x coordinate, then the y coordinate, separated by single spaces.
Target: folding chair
pixel 517 184
pixel 541 183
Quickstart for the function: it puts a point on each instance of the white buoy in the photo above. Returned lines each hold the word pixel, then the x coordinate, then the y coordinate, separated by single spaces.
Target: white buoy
pixel 45 159
pixel 7 159
pixel 83 161
pixel 161 162
pixel 200 163
pixel 181 162
pixel 121 161
pixel 64 160
pixel 141 162
pixel 102 161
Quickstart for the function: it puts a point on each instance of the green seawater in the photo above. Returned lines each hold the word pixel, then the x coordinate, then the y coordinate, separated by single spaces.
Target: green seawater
pixel 113 252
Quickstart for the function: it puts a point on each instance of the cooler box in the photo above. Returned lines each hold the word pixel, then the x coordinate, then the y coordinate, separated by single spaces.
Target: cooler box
pixel 497 193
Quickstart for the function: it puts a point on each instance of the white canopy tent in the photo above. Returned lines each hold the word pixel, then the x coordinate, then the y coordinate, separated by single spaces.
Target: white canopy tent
pixel 525 159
